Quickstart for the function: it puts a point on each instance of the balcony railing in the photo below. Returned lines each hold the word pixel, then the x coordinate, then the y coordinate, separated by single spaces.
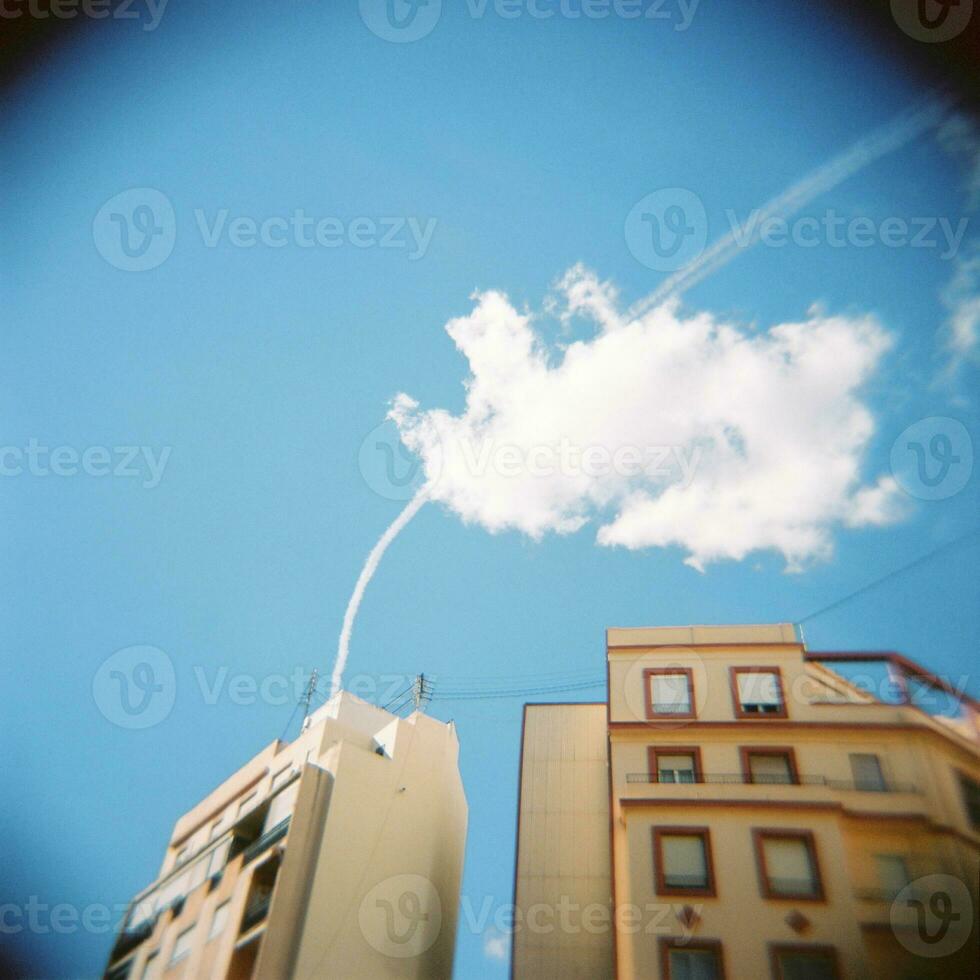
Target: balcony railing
pixel 264 842
pixel 742 779
pixel 255 912
pixel 129 939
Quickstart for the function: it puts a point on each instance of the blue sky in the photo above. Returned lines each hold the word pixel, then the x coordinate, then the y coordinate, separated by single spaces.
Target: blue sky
pixel 264 369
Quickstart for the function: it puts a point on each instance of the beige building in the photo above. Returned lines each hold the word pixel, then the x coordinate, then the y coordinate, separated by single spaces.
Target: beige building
pixel 742 807
pixel 338 854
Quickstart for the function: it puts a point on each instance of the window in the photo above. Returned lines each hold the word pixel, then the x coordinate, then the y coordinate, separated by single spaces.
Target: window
pixel 281 777
pixel 675 764
pixel 692 959
pixel 971 799
pixel 682 861
pixel 215 830
pixel 866 769
pixel 150 966
pixel 893 873
pixel 669 692
pixel 787 864
pixel 181 856
pixel 218 920
pixel 182 946
pixel 799 962
pixel 247 803
pixel 769 765
pixel 758 691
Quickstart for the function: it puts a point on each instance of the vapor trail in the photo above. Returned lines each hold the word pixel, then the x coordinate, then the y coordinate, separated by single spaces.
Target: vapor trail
pixel 893 135
pixel 367 572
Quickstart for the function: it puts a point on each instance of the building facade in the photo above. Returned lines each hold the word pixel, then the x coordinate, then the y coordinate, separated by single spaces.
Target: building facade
pixel 339 854
pixel 742 807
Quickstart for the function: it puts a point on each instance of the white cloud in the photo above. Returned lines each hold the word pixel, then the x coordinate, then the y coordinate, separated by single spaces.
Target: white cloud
pixel 748 440
pixel 496 946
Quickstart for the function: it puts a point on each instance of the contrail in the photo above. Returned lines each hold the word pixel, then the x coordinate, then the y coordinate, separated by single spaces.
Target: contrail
pixel 367 572
pixel 893 135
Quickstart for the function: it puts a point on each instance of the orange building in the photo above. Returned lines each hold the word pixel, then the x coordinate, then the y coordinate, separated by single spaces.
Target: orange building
pixel 742 807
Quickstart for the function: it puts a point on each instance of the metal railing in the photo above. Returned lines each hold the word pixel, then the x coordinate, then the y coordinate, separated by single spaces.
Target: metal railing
pixel 744 779
pixel 129 939
pixel 264 842
pixel 255 912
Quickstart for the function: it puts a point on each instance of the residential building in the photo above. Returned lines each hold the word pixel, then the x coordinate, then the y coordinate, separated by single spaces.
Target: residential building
pixel 338 854
pixel 742 807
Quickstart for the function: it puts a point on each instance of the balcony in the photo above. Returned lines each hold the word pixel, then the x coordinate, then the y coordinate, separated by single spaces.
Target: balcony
pixel 263 843
pixel 742 779
pixel 129 939
pixel 255 912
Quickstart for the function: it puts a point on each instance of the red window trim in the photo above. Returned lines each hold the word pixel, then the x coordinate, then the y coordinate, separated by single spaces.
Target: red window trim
pixel 761 834
pixel 660 886
pixel 654 751
pixel 733 673
pixel 648 700
pixel 667 943
pixel 828 952
pixel 745 751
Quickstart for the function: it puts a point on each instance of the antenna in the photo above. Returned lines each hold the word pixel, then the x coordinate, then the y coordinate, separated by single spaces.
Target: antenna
pixel 421 692
pixel 307 698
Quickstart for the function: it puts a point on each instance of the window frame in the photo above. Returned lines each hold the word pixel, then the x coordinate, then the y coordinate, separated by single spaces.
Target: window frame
pixel 670 943
pixel 652 715
pixel 762 834
pixel 659 881
pixel 174 958
pixel 787 751
pixel 820 949
pixel 867 788
pixel 655 751
pixel 226 906
pixel 963 781
pixel 878 857
pixel 733 673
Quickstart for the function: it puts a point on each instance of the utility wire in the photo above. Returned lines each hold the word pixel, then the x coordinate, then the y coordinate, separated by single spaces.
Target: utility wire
pixel 921 560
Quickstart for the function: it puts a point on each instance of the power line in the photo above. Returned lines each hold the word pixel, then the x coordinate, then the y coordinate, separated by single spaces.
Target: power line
pixel 921 560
